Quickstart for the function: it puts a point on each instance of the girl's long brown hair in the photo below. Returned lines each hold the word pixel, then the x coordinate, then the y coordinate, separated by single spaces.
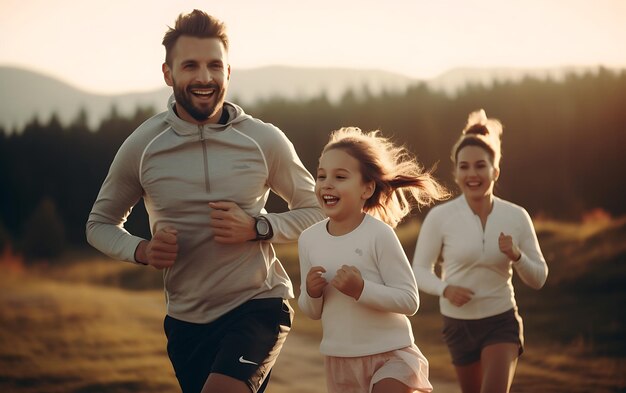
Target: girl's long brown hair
pixel 401 182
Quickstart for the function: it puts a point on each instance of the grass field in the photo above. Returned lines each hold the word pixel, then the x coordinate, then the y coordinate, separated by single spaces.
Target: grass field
pixel 88 324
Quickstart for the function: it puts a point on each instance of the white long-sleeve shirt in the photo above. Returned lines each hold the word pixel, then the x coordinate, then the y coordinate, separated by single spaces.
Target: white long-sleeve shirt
pixel 472 258
pixel 377 322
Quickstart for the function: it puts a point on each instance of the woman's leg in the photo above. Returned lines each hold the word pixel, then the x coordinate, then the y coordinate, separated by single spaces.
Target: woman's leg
pixel 498 367
pixel 470 377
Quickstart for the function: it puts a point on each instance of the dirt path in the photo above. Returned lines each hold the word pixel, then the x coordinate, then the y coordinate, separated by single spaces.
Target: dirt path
pixel 300 368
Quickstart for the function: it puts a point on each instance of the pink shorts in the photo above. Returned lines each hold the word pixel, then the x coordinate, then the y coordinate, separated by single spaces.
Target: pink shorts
pixel 359 374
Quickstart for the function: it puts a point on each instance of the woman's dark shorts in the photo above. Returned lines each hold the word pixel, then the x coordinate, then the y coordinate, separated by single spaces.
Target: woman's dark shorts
pixel 466 338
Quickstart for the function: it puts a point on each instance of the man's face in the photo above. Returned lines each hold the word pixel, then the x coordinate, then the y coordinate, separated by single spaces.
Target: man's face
pixel 199 75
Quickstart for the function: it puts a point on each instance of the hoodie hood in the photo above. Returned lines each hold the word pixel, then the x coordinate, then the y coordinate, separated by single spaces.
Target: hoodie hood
pixel 181 127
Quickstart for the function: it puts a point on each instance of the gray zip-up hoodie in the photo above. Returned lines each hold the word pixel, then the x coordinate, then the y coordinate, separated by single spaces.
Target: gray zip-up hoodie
pixel 178 168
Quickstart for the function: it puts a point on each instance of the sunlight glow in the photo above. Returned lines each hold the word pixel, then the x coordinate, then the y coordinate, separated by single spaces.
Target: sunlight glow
pixel 115 45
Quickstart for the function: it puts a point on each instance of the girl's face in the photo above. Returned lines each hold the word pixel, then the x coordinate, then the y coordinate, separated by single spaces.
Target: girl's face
pixel 339 186
pixel 474 172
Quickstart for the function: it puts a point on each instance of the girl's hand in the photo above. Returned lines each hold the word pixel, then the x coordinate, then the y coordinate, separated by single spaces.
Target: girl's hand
pixel 349 281
pixel 458 296
pixel 508 248
pixel 315 283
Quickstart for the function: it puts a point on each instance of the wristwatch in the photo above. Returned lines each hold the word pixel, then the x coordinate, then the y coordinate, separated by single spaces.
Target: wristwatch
pixel 263 228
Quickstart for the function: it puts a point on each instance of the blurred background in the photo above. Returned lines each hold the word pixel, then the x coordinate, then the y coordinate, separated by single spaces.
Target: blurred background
pixel 77 78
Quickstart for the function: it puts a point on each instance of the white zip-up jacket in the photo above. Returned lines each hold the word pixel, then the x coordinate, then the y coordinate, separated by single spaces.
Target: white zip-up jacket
pixel 472 257
pixel 178 168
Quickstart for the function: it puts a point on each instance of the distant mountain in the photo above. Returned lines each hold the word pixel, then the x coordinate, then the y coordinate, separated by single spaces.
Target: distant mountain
pixel 450 82
pixel 250 85
pixel 25 94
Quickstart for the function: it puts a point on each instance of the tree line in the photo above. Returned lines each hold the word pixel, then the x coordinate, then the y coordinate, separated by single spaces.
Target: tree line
pixel 563 149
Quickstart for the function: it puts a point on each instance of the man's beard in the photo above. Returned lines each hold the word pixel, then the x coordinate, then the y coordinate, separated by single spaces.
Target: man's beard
pixel 200 113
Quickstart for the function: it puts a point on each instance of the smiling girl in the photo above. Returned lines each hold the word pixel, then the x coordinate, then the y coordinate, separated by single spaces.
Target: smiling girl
pixel 355 275
pixel 481 239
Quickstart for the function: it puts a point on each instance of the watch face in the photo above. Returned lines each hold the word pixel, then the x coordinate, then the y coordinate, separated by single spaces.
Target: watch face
pixel 262 227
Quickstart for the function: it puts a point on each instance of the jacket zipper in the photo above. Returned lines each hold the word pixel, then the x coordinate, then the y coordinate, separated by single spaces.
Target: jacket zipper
pixel 482 229
pixel 205 159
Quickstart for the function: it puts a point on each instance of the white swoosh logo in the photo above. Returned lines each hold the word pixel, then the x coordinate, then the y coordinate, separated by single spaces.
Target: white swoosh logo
pixel 242 360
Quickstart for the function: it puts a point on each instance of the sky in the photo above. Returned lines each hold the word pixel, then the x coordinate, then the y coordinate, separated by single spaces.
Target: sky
pixel 114 46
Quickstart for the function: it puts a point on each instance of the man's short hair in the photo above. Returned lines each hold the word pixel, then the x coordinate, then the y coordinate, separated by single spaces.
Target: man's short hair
pixel 195 24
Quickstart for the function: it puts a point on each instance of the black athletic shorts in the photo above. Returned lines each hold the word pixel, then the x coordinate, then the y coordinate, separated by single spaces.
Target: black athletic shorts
pixel 243 344
pixel 466 338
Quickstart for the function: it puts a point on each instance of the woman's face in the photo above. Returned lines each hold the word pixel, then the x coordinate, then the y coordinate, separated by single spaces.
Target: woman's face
pixel 474 172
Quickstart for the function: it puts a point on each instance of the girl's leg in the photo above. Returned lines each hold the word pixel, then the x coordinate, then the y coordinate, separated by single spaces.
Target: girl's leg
pixel 470 377
pixel 498 365
pixel 390 385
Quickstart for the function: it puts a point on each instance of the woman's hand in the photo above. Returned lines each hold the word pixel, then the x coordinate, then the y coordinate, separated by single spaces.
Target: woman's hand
pixel 508 248
pixel 458 296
